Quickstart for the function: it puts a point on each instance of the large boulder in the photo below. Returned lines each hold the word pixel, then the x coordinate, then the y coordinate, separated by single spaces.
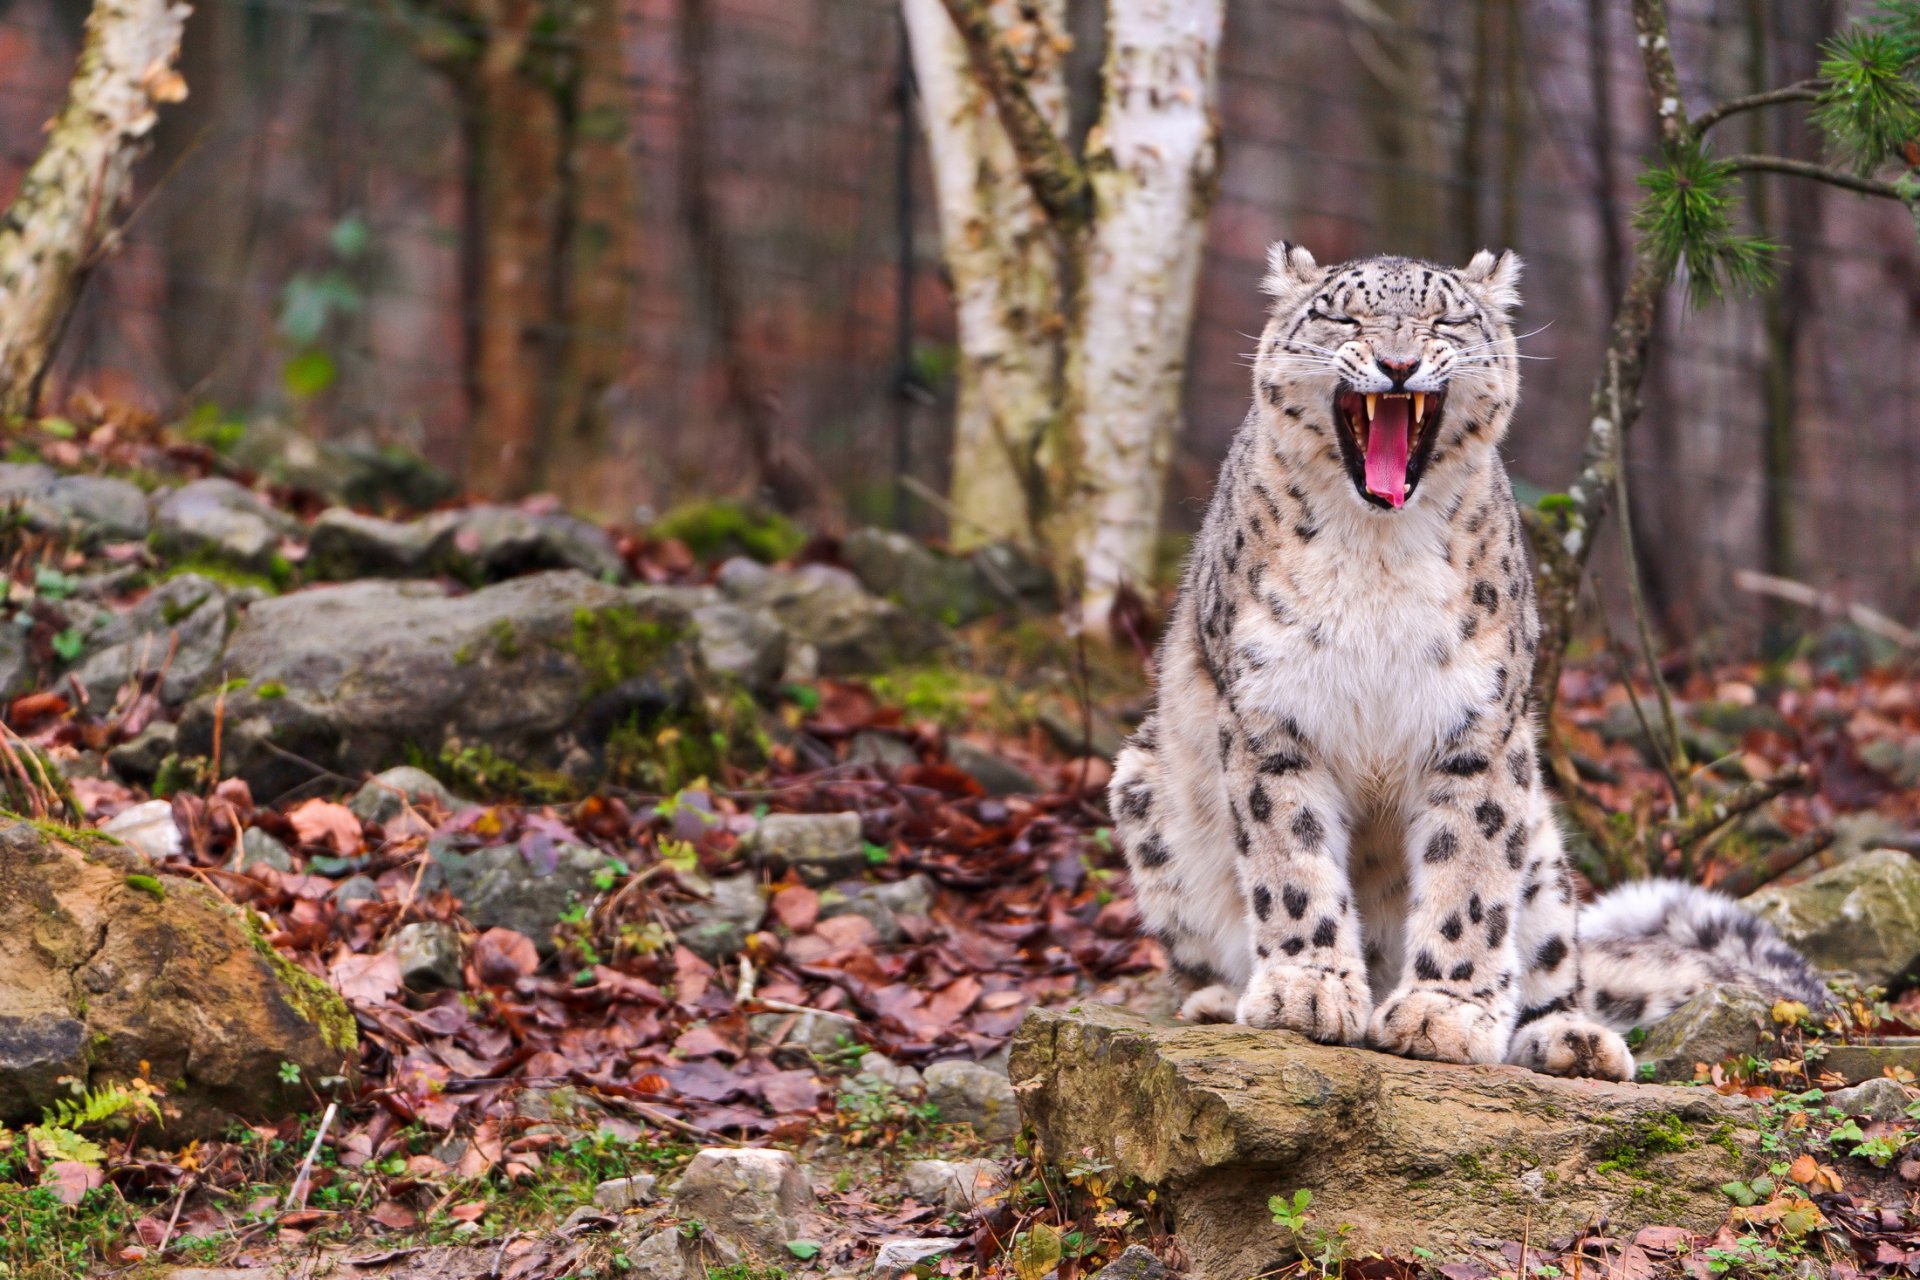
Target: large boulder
pixel 541 671
pixel 1407 1153
pixel 1861 917
pixel 105 966
pixel 828 610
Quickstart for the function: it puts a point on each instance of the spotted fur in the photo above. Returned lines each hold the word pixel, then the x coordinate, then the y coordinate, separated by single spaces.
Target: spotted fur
pixel 1334 819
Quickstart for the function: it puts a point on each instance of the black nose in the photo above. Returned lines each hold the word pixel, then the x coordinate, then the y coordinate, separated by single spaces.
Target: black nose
pixel 1396 369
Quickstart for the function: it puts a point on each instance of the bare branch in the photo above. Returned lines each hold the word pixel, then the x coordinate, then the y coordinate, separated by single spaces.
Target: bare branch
pixel 1743 880
pixel 1865 617
pixel 1055 177
pixel 1804 91
pixel 1684 832
pixel 1819 173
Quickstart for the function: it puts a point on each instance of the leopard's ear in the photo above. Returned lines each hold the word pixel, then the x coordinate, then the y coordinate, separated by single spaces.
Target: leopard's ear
pixel 1289 267
pixel 1496 278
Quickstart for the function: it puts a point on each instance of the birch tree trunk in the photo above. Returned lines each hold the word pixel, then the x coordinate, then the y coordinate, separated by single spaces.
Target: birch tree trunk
pixel 62 220
pixel 1153 157
pixel 1005 262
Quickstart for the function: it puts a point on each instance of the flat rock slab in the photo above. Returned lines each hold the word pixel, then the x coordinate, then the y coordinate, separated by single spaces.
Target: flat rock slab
pixel 1408 1153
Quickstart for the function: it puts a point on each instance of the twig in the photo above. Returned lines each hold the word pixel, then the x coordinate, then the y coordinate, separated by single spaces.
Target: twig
pixel 1683 832
pixel 297 1193
pixel 1804 91
pixel 1819 173
pixel 179 1203
pixel 1743 880
pixel 1865 617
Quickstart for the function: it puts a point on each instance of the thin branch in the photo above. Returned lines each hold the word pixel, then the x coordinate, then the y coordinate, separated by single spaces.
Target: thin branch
pixel 1055 177
pixel 1684 832
pixel 1819 173
pixel 1804 91
pixel 1743 880
pixel 1865 617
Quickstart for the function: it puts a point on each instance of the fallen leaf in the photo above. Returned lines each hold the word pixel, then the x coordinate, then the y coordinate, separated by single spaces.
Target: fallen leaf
pixel 324 824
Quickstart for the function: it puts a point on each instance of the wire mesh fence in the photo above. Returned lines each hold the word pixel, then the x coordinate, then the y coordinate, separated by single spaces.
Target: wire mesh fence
pixel 304 250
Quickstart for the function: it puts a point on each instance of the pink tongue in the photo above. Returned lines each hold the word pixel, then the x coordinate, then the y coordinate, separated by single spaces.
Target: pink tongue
pixel 1387 449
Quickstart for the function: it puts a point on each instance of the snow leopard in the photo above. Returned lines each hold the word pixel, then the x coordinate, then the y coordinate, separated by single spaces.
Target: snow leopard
pixel 1333 817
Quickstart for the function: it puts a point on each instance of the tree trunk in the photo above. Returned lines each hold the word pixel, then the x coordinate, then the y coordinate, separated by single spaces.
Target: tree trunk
pixel 1153 157
pixel 1005 264
pixel 62 220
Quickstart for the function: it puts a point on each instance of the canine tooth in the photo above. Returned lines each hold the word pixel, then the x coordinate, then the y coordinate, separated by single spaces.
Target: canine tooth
pixel 1419 405
pixel 1373 402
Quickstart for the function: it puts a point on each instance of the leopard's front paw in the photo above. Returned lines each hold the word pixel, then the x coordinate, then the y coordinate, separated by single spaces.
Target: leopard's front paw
pixel 1427 1022
pixel 1328 1004
pixel 1567 1044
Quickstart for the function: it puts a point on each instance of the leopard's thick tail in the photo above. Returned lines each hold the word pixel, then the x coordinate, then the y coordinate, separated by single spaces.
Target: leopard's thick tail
pixel 1649 946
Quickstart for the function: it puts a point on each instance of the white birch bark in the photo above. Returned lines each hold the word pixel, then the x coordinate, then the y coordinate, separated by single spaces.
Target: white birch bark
pixel 1152 160
pixel 63 215
pixel 1004 262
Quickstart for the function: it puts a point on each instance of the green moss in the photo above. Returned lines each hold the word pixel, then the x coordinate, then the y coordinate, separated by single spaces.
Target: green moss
pixel 180 773
pixel 149 885
pixel 305 994
pixel 1650 1136
pixel 505 642
pixel 482 772
pixel 230 575
pixel 270 689
pixel 232 686
pixel 79 837
pixel 714 530
pixel 615 645
pixel 667 752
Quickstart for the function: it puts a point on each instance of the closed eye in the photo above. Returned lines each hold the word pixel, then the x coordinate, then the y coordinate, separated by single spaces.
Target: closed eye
pixel 1317 314
pixel 1456 322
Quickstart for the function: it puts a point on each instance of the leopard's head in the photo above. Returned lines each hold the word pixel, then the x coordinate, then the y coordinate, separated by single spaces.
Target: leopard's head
pixel 1408 366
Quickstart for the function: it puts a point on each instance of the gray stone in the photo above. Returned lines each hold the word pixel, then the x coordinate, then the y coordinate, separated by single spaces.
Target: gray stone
pixel 343 544
pixel 90 510
pixel 1875 1099
pixel 959 1185
pixel 139 758
pixel 746 644
pixel 819 847
pixel 882 905
pixel 189 615
pixel 539 670
pixel 1718 1023
pixel 631 1192
pixel 1861 832
pixel 898 1257
pixel 817 1031
pixel 20 480
pixel 16 661
pixel 717 927
pixel 386 795
pixel 500 888
pixel 1015 576
pixel 354 889
pixel 428 953
pixel 147 828
pixel 219 519
pixel 675 1254
pixel 1871 1059
pixel 915 576
pixel 1861 917
pixel 896 1076
pixel 751 1195
pixel 973 1093
pixel 1408 1153
pixel 1898 758
pixel 998 776
pixel 489 543
pixel 1093 734
pixel 882 750
pixel 826 608
pixel 1137 1263
pixel 257 848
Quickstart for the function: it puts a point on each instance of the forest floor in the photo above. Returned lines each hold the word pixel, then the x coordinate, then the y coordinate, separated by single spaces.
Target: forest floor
pixel 490 1113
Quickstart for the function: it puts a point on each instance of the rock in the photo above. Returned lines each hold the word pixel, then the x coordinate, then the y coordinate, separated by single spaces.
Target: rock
pixel 1015 576
pixel 1136 1263
pixel 898 1257
pixel 970 1093
pixel 1875 1099
pixel 1093 734
pixel 911 574
pixel 257 848
pixel 717 928
pixel 1861 917
pixel 355 889
pixel 1718 1023
pixel 881 904
pixel 882 750
pixel 817 1031
pixel 819 847
pixel 500 887
pixel 827 608
pixel 959 1185
pixel 896 1076
pixel 16 661
pixel 999 777
pixel 147 828
pixel 386 795
pixel 490 543
pixel 676 1254
pixel 630 1192
pixel 366 475
pixel 745 644
pixel 751 1195
pixel 1898 758
pixel 428 953
pixel 190 614
pixel 343 544
pixel 1410 1153
pixel 112 967
pixel 1861 832
pixel 90 510
pixel 139 758
pixel 219 520
pixel 1870 1060
pixel 539 672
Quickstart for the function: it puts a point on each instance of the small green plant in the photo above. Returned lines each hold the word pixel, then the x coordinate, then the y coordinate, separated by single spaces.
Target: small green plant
pixel 1325 1251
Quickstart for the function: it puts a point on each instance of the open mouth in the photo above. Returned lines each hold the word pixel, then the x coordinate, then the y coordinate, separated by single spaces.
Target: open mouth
pixel 1387 439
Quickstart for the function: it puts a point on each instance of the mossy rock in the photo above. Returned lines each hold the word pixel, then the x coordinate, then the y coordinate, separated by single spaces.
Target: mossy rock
pixel 1408 1154
pixel 715 530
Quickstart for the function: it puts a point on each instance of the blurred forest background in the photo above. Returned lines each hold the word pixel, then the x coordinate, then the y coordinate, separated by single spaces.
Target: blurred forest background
pixel 761 293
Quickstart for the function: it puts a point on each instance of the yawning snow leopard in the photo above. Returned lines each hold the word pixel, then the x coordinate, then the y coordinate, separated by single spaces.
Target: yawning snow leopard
pixel 1333 817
